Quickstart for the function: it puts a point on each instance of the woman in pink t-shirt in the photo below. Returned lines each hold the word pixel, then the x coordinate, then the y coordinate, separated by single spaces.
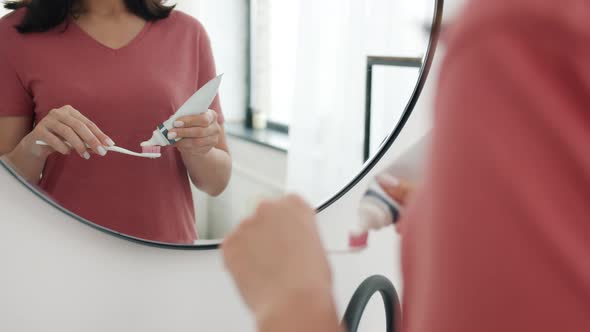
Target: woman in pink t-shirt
pixel 100 72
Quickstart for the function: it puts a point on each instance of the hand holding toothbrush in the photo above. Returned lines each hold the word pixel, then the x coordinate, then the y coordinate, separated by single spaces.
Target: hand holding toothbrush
pixel 65 129
pixel 198 133
pixel 279 265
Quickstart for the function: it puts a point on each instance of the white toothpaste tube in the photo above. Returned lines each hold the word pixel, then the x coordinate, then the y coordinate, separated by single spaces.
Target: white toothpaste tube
pixel 377 209
pixel 197 104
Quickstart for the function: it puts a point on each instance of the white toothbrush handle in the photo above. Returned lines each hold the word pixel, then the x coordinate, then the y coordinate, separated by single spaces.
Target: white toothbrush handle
pixel 45 144
pixel 135 154
pixel 115 149
pixel 124 151
pixel 42 143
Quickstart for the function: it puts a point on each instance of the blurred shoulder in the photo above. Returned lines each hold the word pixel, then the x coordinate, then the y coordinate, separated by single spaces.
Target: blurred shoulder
pixel 537 19
pixel 530 25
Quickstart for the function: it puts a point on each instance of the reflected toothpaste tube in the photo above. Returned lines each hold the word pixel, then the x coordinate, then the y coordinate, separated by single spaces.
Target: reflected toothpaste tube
pixel 197 104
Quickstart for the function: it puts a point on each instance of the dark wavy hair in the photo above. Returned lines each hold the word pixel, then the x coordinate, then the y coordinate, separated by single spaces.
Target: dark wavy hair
pixel 43 15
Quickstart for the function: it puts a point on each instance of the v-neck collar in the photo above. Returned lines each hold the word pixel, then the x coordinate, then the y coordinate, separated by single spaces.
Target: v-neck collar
pixel 91 40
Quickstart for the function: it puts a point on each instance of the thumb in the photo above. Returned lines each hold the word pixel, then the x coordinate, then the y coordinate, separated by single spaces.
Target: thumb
pixel 398 190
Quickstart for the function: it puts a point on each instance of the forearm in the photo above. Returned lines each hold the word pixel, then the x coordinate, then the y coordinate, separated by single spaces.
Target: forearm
pixel 26 163
pixel 209 172
pixel 304 311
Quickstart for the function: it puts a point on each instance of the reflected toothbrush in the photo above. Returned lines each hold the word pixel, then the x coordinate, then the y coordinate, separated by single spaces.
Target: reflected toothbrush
pixel 147 152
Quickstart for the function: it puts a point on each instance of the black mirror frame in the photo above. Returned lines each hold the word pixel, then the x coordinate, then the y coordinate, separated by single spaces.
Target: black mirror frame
pixel 426 66
pixel 215 244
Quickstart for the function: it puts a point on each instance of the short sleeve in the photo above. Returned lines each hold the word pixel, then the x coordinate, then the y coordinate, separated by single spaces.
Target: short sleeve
pixel 15 99
pixel 207 69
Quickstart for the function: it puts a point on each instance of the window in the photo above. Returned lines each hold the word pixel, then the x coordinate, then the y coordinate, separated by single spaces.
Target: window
pixel 275 30
pixel 273 59
pixel 226 21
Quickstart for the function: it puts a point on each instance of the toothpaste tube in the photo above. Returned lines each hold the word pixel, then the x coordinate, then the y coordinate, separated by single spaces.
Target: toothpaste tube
pixel 377 209
pixel 197 104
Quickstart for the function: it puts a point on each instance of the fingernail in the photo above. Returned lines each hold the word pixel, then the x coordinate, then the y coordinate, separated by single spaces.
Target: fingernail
pixel 102 151
pixel 388 180
pixel 110 142
pixel 178 124
pixel 172 135
pixel 86 155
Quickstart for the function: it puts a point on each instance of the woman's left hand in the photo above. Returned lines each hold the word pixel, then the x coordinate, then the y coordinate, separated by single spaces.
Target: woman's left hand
pixel 199 133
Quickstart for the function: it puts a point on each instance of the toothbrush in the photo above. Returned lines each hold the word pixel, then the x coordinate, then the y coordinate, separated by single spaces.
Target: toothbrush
pixel 344 251
pixel 147 153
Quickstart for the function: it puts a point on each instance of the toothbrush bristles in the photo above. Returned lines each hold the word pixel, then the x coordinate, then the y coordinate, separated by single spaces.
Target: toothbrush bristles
pixel 358 241
pixel 151 149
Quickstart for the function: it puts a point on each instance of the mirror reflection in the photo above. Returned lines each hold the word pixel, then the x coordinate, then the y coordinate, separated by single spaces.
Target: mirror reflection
pixel 115 110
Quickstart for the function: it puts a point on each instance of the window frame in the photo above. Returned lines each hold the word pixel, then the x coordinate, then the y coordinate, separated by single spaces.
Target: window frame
pixel 248 123
pixel 386 61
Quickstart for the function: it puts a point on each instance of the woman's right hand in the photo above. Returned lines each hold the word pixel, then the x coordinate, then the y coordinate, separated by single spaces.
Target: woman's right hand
pixel 66 125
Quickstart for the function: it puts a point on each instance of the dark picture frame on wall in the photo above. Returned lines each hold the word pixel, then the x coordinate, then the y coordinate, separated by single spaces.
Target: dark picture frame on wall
pixel 374 61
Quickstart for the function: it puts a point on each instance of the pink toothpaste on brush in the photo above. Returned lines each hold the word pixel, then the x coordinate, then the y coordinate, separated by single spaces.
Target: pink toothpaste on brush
pixel 151 149
pixel 376 211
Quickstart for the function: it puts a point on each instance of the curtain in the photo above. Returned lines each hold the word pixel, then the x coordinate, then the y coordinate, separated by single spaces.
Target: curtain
pixel 327 111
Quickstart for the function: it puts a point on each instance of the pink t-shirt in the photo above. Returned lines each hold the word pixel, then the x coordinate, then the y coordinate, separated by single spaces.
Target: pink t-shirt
pixel 126 92
pixel 499 237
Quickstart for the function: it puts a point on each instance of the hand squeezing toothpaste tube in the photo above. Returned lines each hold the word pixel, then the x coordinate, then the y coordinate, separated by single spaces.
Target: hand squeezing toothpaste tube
pixel 196 104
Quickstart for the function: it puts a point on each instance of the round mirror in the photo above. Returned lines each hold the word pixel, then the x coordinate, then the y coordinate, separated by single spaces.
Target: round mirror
pixel 121 120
